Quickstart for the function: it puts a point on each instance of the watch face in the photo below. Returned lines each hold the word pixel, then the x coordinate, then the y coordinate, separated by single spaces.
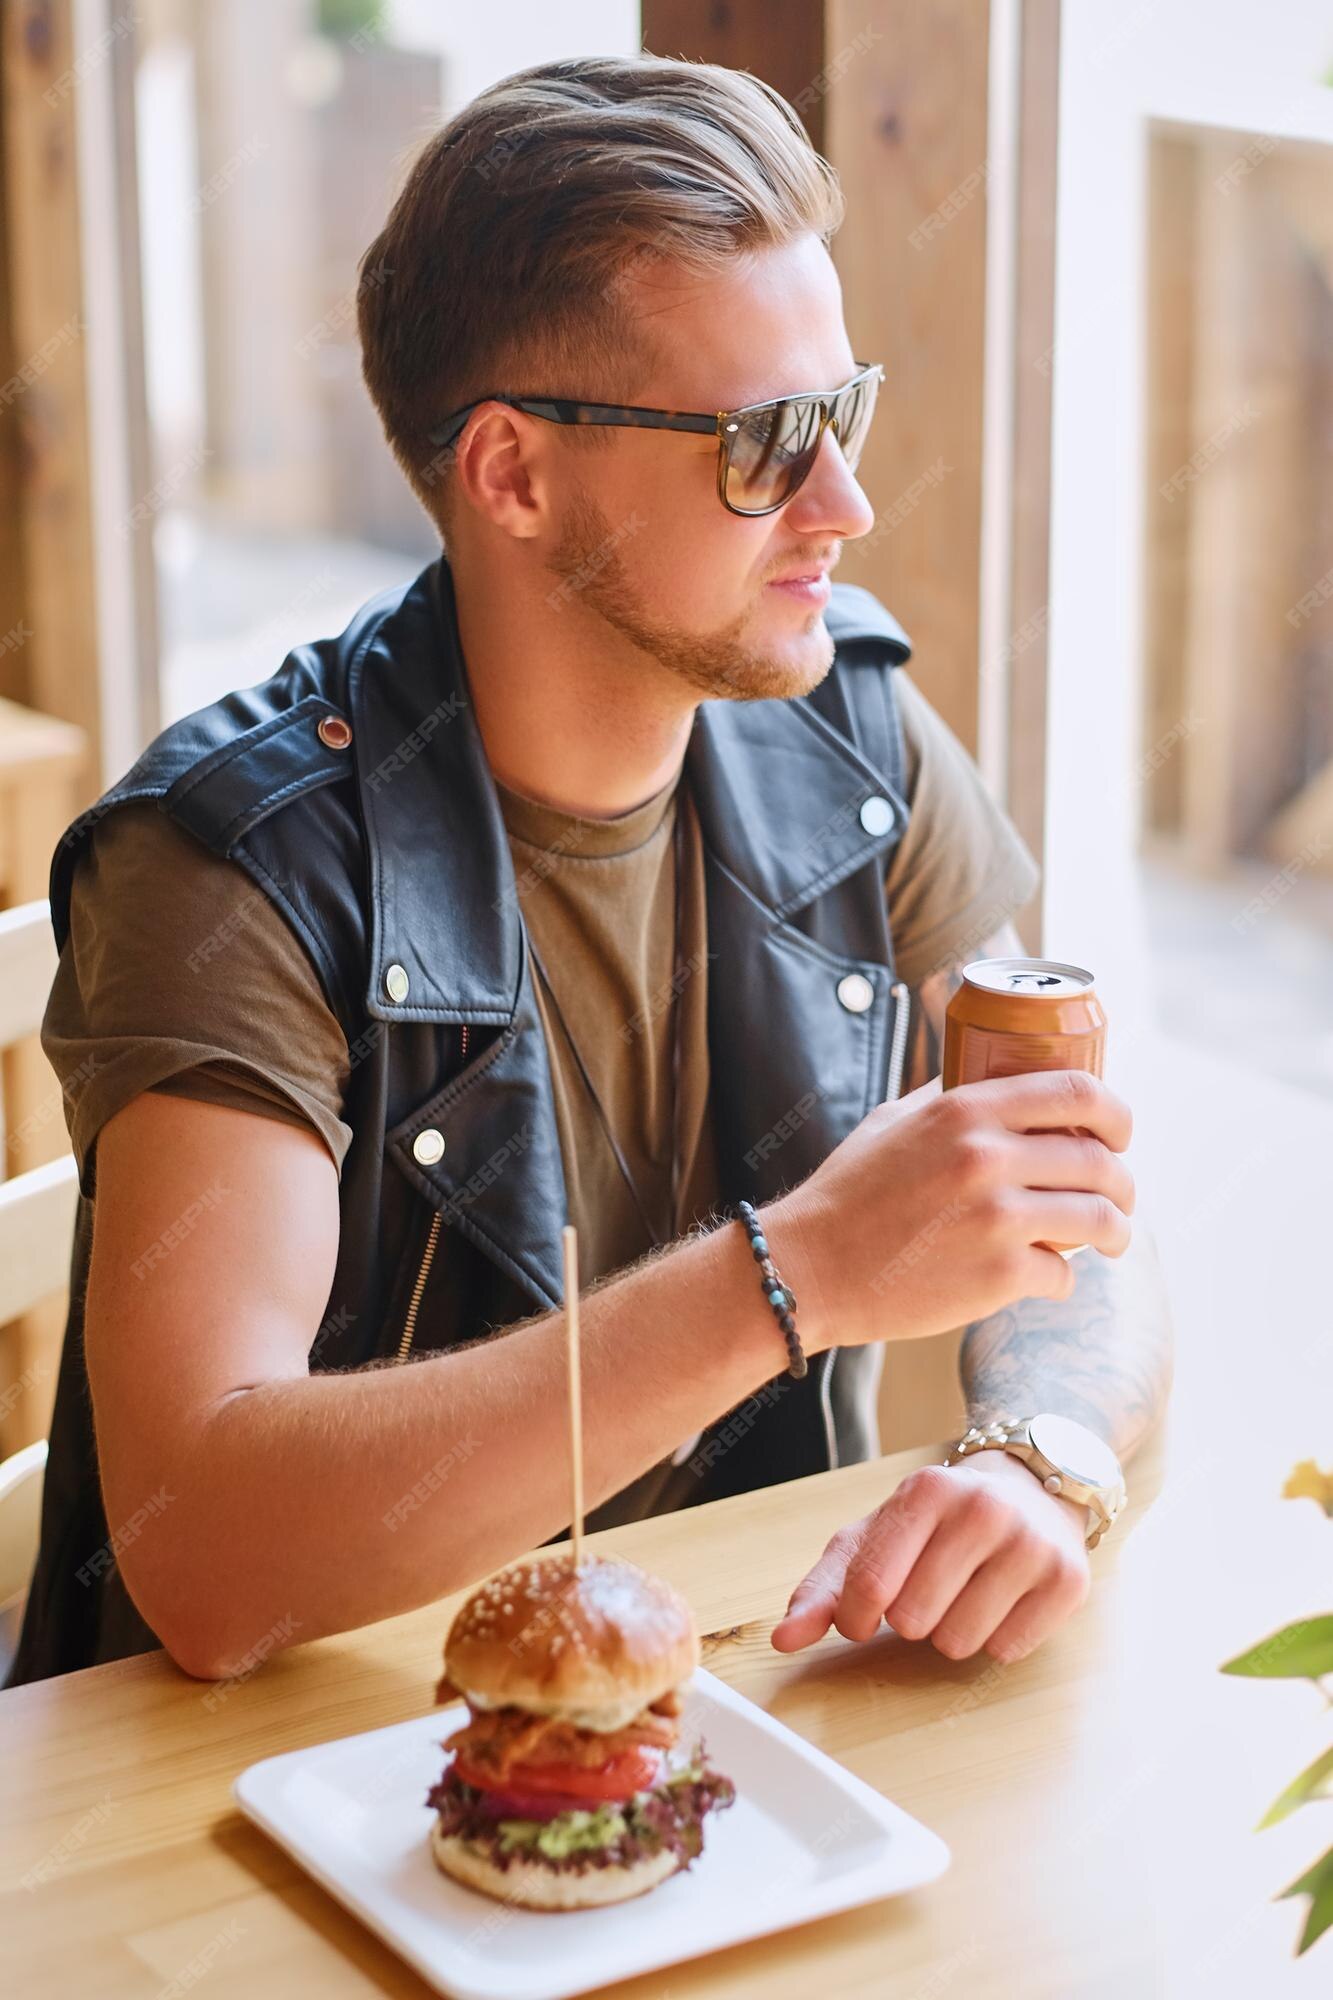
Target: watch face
pixel 1075 1449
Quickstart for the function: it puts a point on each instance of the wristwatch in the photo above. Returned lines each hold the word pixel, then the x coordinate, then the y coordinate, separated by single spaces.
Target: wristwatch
pixel 1067 1457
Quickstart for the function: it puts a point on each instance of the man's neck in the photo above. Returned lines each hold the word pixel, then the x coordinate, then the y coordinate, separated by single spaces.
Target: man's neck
pixel 591 730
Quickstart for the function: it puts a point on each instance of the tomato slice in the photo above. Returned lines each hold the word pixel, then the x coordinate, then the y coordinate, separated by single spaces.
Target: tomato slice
pixel 619 1778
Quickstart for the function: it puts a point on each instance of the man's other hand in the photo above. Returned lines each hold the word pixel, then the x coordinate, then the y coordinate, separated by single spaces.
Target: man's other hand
pixel 969 1555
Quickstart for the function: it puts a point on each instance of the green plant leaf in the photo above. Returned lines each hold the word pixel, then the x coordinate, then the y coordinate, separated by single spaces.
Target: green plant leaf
pixel 1302 1651
pixel 1317 1884
pixel 1314 1783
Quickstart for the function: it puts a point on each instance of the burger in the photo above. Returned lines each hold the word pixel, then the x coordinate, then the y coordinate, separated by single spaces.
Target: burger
pixel 568 1786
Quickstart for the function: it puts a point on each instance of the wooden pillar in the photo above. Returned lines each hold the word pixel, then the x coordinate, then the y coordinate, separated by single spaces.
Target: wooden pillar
pixel 48 573
pixel 783 41
pixel 907 132
pixel 894 92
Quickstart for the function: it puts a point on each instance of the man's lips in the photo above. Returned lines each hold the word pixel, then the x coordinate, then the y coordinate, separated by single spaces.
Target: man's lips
pixel 812 587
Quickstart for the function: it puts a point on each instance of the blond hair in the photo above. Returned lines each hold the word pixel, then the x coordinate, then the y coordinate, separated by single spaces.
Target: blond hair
pixel 504 260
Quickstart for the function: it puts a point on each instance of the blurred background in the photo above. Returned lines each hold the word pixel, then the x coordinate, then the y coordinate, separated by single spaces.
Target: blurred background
pixel 1093 247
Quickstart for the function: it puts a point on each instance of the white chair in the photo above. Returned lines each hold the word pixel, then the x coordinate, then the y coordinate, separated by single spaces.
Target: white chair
pixel 37 1211
pixel 21 1477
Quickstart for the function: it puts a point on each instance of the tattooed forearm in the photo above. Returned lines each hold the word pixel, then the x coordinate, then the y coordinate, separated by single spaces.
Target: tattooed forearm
pixel 1103 1356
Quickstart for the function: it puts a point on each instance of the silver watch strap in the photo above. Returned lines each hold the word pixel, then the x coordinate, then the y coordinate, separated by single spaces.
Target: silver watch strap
pixel 997 1435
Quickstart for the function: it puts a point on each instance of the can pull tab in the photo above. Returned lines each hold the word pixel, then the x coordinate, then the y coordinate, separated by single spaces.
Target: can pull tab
pixel 1040 979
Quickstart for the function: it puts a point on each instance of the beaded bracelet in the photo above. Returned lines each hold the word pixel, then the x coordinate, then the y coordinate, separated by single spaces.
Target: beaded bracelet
pixel 779 1296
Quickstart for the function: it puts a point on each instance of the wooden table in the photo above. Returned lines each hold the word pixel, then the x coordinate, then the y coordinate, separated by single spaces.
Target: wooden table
pixel 1098 1796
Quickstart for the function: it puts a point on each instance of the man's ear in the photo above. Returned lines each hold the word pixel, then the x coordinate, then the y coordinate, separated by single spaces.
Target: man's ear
pixel 500 470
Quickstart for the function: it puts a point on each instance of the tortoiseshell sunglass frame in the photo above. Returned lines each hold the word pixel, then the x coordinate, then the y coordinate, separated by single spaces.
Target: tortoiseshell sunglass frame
pixel 725 425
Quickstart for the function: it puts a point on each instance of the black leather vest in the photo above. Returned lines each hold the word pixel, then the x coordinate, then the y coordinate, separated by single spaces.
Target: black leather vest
pixel 391 852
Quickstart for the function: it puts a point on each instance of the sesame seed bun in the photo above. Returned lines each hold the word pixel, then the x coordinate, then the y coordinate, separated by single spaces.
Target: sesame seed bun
pixel 595 1648
pixel 534 1886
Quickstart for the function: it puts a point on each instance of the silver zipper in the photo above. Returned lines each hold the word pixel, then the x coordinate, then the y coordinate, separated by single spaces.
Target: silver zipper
pixel 898 1049
pixel 427 1258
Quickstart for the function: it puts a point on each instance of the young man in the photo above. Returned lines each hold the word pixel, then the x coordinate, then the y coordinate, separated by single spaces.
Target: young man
pixel 612 871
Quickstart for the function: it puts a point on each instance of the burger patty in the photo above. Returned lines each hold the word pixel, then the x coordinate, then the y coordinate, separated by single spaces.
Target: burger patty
pixel 495 1739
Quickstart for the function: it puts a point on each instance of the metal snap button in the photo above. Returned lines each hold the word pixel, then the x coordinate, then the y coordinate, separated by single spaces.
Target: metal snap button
pixel 876 814
pixel 333 731
pixel 428 1147
pixel 856 993
pixel 395 982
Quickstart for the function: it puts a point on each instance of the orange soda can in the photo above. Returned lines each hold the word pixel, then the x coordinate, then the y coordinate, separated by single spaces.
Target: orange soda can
pixel 1013 1015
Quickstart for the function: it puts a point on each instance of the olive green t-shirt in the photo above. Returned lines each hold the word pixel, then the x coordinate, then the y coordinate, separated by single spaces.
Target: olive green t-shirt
pixel 598 900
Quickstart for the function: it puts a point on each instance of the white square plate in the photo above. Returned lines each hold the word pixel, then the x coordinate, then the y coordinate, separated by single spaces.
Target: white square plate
pixel 804 1838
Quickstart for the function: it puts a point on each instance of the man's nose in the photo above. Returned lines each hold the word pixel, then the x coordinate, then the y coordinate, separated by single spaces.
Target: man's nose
pixel 830 502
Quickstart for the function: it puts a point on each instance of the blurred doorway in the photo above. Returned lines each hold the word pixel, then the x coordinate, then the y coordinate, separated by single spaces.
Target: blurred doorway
pixel 1237 761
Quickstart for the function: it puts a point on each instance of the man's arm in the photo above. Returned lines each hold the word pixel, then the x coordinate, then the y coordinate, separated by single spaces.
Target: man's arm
pixel 978 1554
pixel 1103 1356
pixel 289 1505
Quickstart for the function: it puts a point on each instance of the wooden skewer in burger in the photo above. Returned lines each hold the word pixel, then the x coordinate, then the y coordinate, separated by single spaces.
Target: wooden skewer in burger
pixel 567 1786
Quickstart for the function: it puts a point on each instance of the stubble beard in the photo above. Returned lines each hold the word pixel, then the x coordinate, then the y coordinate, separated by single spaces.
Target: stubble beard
pixel 720 665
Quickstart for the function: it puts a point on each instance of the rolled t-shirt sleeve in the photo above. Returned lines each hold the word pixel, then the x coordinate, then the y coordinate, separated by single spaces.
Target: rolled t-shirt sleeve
pixel 961 868
pixel 180 975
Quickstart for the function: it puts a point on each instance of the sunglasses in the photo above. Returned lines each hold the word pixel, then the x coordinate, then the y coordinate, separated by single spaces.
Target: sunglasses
pixel 764 451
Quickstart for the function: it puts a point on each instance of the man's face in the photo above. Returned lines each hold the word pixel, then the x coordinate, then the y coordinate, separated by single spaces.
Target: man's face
pixel 643 546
